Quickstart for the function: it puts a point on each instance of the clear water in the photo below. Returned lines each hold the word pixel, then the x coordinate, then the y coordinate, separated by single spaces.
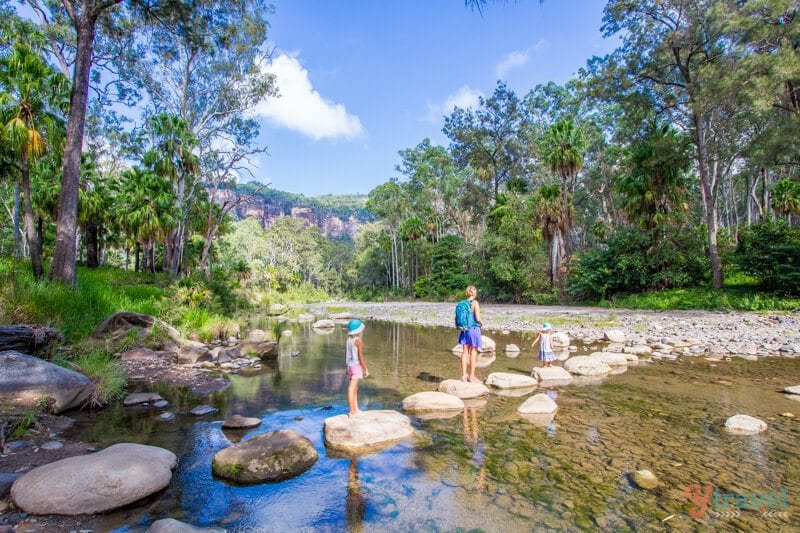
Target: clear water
pixel 485 468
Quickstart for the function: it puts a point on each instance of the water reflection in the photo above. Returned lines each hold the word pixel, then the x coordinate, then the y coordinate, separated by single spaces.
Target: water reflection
pixel 356 502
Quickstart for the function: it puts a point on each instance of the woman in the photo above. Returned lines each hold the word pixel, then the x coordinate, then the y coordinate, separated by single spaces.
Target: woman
pixel 470 339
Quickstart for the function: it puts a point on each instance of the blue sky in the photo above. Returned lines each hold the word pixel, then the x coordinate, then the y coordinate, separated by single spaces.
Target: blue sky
pixel 363 79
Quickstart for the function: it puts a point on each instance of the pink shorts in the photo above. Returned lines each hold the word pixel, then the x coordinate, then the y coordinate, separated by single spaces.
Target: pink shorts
pixel 355 372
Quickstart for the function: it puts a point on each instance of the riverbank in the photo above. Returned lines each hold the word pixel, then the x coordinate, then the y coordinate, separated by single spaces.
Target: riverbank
pixel 715 334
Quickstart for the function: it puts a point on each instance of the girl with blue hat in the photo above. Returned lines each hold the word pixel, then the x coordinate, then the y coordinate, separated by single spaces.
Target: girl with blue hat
pixel 546 353
pixel 354 361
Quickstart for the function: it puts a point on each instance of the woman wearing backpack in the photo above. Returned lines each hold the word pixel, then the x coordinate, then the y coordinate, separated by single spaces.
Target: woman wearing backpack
pixel 470 339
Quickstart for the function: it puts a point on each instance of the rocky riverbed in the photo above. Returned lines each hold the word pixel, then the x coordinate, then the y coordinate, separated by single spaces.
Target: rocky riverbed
pixel 667 334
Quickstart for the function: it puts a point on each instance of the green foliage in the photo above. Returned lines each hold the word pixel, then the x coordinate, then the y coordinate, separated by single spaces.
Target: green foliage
pixel 104 370
pixel 634 261
pixel 448 277
pixel 770 252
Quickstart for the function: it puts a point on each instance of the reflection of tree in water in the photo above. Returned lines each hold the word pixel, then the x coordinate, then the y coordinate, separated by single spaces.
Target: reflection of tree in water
pixel 356 503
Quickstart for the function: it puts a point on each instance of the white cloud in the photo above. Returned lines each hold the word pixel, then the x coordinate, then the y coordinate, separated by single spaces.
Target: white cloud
pixel 511 61
pixel 465 97
pixel 301 108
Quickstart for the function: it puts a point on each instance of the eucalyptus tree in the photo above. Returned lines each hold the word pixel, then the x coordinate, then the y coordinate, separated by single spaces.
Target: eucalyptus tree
pixel 31 104
pixel 389 201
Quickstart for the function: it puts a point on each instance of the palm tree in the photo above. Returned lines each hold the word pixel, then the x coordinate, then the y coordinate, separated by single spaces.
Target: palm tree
pixel 32 100
pixel 551 212
pixel 562 148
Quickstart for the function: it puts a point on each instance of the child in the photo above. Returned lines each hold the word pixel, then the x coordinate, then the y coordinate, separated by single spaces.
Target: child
pixel 356 367
pixel 546 348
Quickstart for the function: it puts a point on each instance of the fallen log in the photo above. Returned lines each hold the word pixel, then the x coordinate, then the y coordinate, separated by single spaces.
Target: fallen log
pixel 27 338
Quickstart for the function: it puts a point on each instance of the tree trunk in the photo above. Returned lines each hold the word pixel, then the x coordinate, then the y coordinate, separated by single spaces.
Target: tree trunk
pixel 17 250
pixel 27 338
pixel 63 268
pixel 136 260
pixel 708 189
pixel 92 258
pixel 34 243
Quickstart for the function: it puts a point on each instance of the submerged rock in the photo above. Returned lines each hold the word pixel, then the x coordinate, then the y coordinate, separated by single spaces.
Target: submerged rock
pixel 95 483
pixel 538 404
pixel 432 401
pixel 271 456
pixel 463 389
pixel 241 422
pixel 26 381
pixel 507 380
pixel 369 429
pixel 586 366
pixel 170 525
pixel 645 479
pixel 745 425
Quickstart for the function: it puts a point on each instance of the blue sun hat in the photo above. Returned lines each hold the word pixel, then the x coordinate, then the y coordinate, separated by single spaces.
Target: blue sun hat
pixel 546 326
pixel 354 327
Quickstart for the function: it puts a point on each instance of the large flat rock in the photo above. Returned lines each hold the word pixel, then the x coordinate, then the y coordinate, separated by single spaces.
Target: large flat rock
pixel 371 428
pixel 95 483
pixel 25 381
pixel 432 401
pixel 586 366
pixel 548 374
pixel 507 380
pixel 272 456
pixel 463 389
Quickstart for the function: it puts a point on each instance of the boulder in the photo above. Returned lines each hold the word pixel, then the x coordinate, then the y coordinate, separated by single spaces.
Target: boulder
pixel 117 326
pixel 538 404
pixel 559 340
pixel 507 380
pixel 170 525
pixel 241 422
pixel 610 358
pixel 262 349
pixel 139 354
pixel 432 401
pixel 138 398
pixel 324 324
pixel 614 335
pixel 193 354
pixel 745 425
pixel 25 381
pixel 586 366
pixel 794 389
pixel 271 456
pixel 551 374
pixel 487 344
pixel 512 348
pixel 463 389
pixel 645 479
pixel 95 483
pixel 369 429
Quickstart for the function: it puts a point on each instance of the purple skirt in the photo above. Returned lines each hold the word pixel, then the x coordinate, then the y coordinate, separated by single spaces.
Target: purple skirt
pixel 471 337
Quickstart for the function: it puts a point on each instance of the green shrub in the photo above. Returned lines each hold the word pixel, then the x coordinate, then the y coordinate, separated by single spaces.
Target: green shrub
pixel 103 369
pixel 770 252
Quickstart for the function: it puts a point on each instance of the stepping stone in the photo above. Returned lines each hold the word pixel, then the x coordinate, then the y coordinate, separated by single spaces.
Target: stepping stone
pixel 95 483
pixel 612 359
pixel 463 389
pixel 586 366
pixel 551 374
pixel 203 410
pixel 432 401
pixel 794 389
pixel 370 429
pixel 170 525
pixel 745 425
pixel 507 380
pixel 539 404
pixel 271 456
pixel 138 398
pixel 241 422
pixel 166 416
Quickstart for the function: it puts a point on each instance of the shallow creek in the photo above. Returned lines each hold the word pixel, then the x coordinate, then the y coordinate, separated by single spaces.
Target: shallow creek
pixel 486 467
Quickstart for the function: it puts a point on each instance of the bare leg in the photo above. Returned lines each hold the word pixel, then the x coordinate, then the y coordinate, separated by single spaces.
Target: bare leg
pixel 352 397
pixel 473 356
pixel 464 362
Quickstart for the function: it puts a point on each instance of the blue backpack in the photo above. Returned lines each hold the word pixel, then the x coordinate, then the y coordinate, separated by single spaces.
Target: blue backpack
pixel 464 315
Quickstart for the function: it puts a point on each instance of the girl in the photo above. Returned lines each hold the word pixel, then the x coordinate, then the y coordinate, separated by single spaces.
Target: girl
pixel 356 366
pixel 546 348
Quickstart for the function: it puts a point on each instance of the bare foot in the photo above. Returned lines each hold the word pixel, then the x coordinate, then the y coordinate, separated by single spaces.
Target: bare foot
pixel 473 379
pixel 464 378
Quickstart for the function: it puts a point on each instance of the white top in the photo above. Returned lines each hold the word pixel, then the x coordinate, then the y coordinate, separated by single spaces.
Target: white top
pixel 546 346
pixel 351 352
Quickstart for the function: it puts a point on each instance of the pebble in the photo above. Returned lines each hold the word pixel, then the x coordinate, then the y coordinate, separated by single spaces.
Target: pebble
pixel 166 416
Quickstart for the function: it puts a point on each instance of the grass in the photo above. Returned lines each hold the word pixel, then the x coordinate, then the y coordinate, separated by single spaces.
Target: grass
pixel 740 293
pixel 102 368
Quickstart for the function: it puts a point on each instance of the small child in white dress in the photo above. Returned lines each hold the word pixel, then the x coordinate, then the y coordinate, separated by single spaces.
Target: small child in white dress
pixel 545 348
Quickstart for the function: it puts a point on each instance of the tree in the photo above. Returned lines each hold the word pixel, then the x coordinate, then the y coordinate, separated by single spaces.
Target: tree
pixel 551 214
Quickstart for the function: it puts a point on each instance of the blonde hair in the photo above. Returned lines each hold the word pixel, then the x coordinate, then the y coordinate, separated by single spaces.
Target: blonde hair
pixel 472 291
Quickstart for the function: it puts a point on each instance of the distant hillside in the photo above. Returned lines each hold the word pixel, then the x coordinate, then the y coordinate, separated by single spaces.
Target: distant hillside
pixel 337 215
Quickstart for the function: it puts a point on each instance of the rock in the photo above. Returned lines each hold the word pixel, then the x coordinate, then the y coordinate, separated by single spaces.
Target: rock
pixel 203 410
pixel 614 335
pixel 638 349
pixel 794 389
pixel 371 428
pixel 745 425
pixel 139 354
pixel 717 350
pixel 324 324
pixel 617 347
pixel 170 525
pixel 241 422
pixel 463 389
pixel 560 340
pixel 513 393
pixel 141 397
pixel 645 479
pixel 160 404
pixel 271 456
pixel 95 483
pixel 747 348
pixel 263 349
pixel 26 381
pixel 586 366
pixel 551 374
pixel 166 416
pixel 117 326
pixel 432 401
pixel 507 380
pixel 610 358
pixel 512 348
pixel 6 480
pixel 485 359
pixel 193 354
pixel 305 317
pixel 341 316
pixel 27 338
pixel 487 344
pixel 52 445
pixel 538 404
pixel 542 420
pixel 277 310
